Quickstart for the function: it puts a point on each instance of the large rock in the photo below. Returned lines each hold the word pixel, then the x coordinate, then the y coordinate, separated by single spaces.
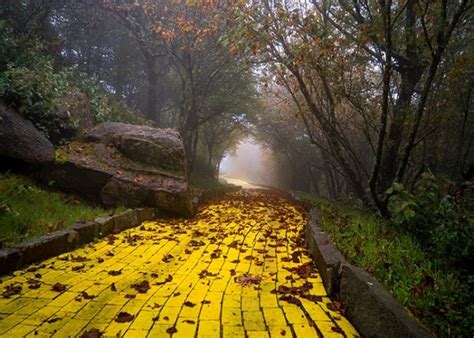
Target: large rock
pixel 20 140
pixel 123 164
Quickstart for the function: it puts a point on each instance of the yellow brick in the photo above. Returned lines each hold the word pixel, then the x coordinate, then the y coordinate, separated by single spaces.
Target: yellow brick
pixel 231 316
pixel 71 327
pixel 346 326
pixel 257 334
pixel 107 313
pixel 10 322
pixel 315 311
pixel 250 303
pixel 268 299
pixel 116 329
pixel 231 301
pixel 15 305
pixel 185 328
pixel 305 330
pixel 208 329
pixel 131 333
pixel 20 330
pixel 278 331
pixel 159 330
pixel 274 316
pixel 89 310
pixel 168 315
pixel 32 307
pixel 294 315
pixel 41 315
pixel 253 321
pixel 233 331
pixel 325 328
pixel 210 311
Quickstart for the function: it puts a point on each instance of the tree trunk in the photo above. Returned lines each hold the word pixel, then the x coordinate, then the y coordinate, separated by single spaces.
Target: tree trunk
pixel 151 108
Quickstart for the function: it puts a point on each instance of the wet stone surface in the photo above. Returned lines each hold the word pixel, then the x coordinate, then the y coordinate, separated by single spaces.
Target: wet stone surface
pixel 239 268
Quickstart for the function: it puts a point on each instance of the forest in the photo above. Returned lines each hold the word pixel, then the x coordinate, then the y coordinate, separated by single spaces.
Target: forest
pixel 364 108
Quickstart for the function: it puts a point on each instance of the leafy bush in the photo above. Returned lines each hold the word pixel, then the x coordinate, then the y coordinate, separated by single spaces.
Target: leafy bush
pixel 104 106
pixel 30 83
pixel 442 225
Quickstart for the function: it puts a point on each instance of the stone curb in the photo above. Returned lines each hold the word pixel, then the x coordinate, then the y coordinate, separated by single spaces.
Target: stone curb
pixel 325 255
pixel 74 236
pixel 369 307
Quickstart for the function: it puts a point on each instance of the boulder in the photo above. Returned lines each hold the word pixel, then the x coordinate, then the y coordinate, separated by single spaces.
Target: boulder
pixel 20 140
pixel 124 164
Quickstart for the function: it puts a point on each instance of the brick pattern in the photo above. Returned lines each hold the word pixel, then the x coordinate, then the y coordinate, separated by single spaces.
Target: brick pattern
pixel 192 268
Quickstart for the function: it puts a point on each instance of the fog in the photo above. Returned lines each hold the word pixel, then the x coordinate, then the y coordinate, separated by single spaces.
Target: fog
pixel 251 162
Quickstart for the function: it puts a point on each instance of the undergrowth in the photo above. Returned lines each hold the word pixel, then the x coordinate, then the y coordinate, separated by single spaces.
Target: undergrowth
pixel 438 295
pixel 28 211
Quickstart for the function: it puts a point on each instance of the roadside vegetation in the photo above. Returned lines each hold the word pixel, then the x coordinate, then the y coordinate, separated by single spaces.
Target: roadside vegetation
pixel 438 294
pixel 28 210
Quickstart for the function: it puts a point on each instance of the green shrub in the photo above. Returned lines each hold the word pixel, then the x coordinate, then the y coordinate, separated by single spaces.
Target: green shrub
pixel 443 225
pixel 30 82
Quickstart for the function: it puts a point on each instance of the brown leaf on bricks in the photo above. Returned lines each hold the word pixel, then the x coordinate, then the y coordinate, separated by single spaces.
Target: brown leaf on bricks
pixel 115 272
pixel 141 287
pixel 291 300
pixel 172 330
pixel 59 287
pixel 92 333
pixel 166 258
pixel 124 317
pixel 247 279
pixel 85 295
pixel 167 280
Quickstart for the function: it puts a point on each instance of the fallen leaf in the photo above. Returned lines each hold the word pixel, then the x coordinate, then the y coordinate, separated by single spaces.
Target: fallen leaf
pixel 34 284
pixel 85 295
pixel 142 287
pixel 59 287
pixel 78 267
pixel 79 259
pixel 115 272
pixel 172 330
pixel 291 300
pixel 124 317
pixel 92 333
pixel 53 320
pixel 247 279
pixel 167 280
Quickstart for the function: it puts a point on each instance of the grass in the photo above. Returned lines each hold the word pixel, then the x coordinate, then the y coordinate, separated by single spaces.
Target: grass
pixel 440 298
pixel 28 210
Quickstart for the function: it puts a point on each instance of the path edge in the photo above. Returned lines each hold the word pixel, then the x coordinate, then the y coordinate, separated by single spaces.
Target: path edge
pixel 369 306
pixel 70 238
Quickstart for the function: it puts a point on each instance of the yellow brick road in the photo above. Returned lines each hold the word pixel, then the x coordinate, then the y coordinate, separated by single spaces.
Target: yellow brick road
pixel 238 269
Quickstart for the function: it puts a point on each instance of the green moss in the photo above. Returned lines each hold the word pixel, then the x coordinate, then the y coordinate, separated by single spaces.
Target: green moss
pixel 27 210
pixel 60 156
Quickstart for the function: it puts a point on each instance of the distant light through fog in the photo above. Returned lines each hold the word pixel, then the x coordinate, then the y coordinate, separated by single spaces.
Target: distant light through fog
pixel 250 162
